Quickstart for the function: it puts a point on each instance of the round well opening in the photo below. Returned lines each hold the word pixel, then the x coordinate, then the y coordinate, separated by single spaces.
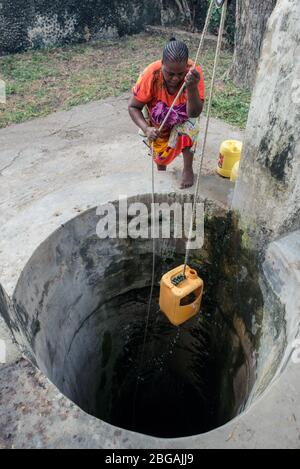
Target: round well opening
pixel 82 302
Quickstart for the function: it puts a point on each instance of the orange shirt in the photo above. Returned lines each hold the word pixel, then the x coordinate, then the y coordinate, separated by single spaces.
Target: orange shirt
pixel 151 88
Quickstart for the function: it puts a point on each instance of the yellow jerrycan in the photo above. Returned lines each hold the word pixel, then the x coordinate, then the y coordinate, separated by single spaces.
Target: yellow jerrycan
pixel 180 296
pixel 230 153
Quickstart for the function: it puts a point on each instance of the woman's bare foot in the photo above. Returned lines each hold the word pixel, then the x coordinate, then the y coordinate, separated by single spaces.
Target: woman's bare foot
pixel 161 167
pixel 187 179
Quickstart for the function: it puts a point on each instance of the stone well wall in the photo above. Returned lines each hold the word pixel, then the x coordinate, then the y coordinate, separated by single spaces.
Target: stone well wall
pixel 28 24
pixel 267 194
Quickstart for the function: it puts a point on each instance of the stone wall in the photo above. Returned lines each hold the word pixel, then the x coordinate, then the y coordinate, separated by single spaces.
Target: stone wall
pixel 267 195
pixel 28 24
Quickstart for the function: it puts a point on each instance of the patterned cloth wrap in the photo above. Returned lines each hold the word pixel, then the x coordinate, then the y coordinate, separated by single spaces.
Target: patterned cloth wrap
pixel 182 132
pixel 178 115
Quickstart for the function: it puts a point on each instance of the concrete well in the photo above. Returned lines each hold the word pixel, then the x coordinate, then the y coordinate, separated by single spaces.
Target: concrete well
pixel 80 309
pixel 74 303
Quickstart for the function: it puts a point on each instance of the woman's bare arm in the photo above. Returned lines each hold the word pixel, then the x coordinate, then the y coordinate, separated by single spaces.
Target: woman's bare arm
pixel 135 110
pixel 194 102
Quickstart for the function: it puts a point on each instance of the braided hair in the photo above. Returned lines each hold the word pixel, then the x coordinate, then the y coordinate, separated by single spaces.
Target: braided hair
pixel 175 51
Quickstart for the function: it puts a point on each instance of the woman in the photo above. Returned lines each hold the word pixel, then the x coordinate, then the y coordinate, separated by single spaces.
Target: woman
pixel 155 92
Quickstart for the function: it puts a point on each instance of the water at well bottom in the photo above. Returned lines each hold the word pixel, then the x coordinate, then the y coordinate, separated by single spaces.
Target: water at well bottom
pixel 183 388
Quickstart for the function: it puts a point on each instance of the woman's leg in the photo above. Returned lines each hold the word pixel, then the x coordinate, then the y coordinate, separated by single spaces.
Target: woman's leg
pixel 187 173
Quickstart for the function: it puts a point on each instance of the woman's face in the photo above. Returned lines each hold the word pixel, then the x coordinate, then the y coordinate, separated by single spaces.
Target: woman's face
pixel 174 73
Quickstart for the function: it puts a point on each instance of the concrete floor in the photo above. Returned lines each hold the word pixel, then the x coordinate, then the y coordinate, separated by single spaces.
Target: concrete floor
pixel 52 169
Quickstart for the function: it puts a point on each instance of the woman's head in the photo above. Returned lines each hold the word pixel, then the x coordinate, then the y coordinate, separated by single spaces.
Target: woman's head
pixel 175 62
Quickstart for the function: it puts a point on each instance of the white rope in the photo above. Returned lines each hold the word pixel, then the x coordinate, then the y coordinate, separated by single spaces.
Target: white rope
pixel 208 17
pixel 153 229
pixel 201 44
pixel 205 29
pixel 218 50
pixel 217 55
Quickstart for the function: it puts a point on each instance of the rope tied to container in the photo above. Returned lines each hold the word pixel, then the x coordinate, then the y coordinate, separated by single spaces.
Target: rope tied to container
pixel 217 4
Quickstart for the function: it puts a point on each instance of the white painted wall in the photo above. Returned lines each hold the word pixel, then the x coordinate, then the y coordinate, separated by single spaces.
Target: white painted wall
pixel 267 194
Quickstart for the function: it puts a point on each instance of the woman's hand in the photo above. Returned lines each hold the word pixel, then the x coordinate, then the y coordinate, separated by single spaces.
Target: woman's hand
pixel 192 79
pixel 152 134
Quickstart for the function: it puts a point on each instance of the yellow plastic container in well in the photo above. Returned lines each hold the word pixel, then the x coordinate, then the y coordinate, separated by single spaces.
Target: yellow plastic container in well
pixel 180 297
pixel 230 153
